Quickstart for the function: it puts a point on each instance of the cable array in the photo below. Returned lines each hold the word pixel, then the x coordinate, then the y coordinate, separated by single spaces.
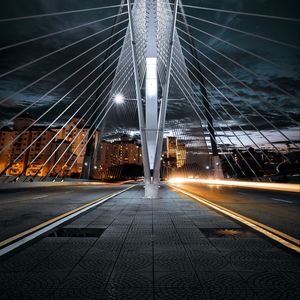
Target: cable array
pixel 192 70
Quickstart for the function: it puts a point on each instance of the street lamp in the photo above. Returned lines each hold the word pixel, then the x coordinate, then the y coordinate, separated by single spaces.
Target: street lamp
pixel 119 99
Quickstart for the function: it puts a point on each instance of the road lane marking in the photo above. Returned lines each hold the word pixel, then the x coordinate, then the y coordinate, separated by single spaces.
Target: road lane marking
pixel 276 235
pixel 68 192
pixel 13 201
pixel 40 197
pixel 276 199
pixel 241 193
pixel 23 199
pixel 22 238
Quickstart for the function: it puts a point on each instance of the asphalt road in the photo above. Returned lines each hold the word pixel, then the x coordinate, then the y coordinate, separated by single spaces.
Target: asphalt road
pixel 23 208
pixel 279 210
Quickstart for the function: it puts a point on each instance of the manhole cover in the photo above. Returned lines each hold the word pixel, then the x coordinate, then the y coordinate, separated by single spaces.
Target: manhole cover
pixel 77 232
pixel 227 232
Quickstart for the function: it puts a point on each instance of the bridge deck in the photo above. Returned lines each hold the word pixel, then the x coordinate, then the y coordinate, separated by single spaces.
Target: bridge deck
pixel 135 248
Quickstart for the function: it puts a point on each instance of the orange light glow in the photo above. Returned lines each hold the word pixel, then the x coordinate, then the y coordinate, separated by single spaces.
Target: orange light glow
pixel 287 187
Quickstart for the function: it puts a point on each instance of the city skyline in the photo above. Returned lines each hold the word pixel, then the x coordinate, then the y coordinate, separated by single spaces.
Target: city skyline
pixel 25 142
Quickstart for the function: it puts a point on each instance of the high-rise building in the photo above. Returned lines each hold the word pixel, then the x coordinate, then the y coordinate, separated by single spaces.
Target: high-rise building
pixel 33 150
pixel 180 155
pixel 63 159
pixel 75 133
pixel 38 153
pixel 171 147
pixel 118 153
pixel 6 137
pixel 176 153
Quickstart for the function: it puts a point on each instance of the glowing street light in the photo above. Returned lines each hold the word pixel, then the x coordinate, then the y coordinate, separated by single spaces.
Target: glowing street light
pixel 119 99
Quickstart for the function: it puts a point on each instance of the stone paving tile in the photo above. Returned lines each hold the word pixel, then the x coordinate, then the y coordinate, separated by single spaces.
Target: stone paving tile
pixel 77 285
pixel 30 285
pixel 178 285
pixel 152 249
pixel 272 284
pixel 225 285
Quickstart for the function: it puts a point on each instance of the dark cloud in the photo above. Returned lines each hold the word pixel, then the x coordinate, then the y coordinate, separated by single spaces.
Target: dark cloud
pixel 264 97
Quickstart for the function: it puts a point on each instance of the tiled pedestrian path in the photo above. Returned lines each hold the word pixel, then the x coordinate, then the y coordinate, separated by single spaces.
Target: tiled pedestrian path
pixel 135 248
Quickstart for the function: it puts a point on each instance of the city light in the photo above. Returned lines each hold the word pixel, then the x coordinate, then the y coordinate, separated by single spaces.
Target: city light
pixel 119 99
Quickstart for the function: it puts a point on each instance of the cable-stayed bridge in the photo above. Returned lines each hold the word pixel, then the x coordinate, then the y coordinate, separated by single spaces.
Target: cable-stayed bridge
pixel 165 72
pixel 142 137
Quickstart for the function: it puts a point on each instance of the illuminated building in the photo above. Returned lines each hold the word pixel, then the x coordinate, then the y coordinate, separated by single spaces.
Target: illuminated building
pixel 171 147
pixel 6 137
pixel 76 133
pixel 38 151
pixel 176 153
pixel 62 155
pixel 118 153
pixel 180 155
pixel 60 143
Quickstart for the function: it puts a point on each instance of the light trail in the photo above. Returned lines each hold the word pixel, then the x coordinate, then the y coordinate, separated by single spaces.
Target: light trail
pixel 285 187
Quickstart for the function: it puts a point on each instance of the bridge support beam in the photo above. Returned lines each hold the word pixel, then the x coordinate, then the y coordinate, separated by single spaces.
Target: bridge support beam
pixel 151 88
pixel 152 130
pixel 146 165
pixel 164 104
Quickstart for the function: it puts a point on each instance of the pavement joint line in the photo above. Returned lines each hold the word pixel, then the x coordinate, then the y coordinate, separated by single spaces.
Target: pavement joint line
pixel 20 239
pixel 276 235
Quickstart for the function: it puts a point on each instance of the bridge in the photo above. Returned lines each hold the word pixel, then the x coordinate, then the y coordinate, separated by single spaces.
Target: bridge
pixel 149 150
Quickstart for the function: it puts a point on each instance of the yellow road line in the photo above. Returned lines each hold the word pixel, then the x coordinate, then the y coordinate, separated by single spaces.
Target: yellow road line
pixel 276 235
pixel 58 218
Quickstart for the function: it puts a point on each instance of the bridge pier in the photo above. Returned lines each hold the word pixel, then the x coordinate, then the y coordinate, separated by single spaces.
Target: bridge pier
pixel 217 166
pixel 151 190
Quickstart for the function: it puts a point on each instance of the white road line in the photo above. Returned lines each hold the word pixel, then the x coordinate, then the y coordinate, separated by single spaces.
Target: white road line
pixel 242 193
pixel 41 196
pixel 13 201
pixel 276 199
pixel 32 233
pixel 23 199
pixel 66 192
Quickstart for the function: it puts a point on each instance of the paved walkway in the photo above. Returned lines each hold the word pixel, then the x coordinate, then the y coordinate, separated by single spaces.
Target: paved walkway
pixel 135 248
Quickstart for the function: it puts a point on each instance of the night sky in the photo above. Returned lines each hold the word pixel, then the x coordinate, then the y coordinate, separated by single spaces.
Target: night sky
pixel 266 98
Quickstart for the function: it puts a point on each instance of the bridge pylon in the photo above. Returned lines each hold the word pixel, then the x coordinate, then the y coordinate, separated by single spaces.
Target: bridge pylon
pixel 148 63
